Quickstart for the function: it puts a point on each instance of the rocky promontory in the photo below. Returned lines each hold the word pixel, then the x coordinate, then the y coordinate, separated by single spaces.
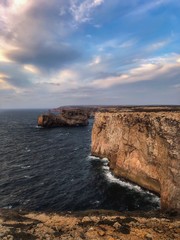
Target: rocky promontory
pixel 143 146
pixel 73 117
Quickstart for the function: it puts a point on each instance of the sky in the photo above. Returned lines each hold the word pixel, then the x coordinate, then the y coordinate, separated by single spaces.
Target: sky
pixel 86 52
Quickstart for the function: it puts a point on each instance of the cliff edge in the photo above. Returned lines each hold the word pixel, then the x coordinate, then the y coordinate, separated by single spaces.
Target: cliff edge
pixel 143 147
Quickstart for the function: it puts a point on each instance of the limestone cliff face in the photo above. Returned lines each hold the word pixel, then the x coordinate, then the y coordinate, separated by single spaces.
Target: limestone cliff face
pixel 142 147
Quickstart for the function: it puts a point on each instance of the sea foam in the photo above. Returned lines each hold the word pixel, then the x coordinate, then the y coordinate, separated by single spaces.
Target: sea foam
pixel 112 179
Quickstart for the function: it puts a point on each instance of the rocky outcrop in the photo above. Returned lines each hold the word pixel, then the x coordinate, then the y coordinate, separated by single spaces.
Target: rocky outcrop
pixel 66 118
pixel 143 147
pixel 89 225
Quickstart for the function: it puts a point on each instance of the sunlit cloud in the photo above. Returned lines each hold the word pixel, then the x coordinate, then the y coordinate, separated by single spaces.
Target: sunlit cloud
pixel 3 57
pixel 144 72
pixel 31 69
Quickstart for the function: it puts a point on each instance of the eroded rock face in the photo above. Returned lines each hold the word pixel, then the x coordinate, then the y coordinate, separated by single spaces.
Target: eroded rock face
pixel 66 118
pixel 143 147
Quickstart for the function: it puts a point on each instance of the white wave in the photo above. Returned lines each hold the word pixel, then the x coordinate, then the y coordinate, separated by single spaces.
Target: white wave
pixel 75 149
pixel 90 157
pixel 27 176
pixel 27 149
pixel 105 161
pixel 155 199
pixel 7 207
pixel 38 127
pixel 111 178
pixel 25 167
pixel 105 167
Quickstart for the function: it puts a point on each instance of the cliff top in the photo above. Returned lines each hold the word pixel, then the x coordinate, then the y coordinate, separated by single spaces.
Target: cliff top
pixel 141 109
pixel 90 225
pixel 113 108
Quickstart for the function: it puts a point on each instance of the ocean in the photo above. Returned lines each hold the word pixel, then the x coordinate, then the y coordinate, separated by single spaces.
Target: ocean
pixel 52 170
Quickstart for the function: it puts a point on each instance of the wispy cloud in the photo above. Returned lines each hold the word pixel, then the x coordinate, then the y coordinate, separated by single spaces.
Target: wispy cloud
pixel 158 45
pixel 161 68
pixel 117 44
pixel 81 11
pixel 148 6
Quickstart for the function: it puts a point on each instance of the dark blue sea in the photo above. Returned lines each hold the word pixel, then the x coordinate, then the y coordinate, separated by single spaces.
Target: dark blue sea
pixel 52 170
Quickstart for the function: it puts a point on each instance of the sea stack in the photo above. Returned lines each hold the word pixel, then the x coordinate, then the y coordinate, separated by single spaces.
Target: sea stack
pixel 143 146
pixel 67 118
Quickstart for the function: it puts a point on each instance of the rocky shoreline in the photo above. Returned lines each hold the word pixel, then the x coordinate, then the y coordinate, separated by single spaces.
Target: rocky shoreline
pixel 90 225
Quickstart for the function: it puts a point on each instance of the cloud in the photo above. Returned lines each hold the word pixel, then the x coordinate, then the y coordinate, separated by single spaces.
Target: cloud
pixel 34 33
pixel 90 51
pixel 158 45
pixel 45 56
pixel 149 6
pixel 162 68
pixel 117 44
pixel 14 77
pixel 81 11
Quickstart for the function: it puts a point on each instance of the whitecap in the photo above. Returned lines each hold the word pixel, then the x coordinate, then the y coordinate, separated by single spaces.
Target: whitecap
pixel 105 167
pixel 97 202
pixel 38 127
pixel 27 176
pixel 25 167
pixel 105 159
pixel 8 207
pixel 90 157
pixel 112 179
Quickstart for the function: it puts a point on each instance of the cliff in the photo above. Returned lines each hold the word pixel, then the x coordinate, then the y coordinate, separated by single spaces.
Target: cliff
pixel 143 147
pixel 66 118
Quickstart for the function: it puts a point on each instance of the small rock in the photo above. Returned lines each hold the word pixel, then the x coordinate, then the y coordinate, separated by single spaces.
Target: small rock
pixel 101 232
pixel 10 237
pixel 148 236
pixel 91 229
pixel 40 225
pixel 86 219
pixel 134 224
pixel 176 236
pixel 116 225
pixel 94 219
pixel 111 238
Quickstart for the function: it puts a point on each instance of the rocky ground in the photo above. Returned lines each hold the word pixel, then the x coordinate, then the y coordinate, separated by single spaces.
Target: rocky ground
pixel 90 225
